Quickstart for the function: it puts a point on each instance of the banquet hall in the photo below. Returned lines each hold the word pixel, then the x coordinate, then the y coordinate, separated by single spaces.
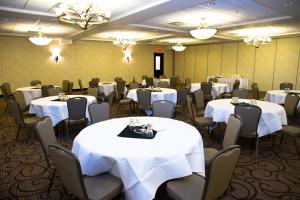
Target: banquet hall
pixel 150 99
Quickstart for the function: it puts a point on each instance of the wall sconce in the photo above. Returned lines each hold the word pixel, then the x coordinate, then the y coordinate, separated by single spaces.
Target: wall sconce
pixel 127 54
pixel 55 54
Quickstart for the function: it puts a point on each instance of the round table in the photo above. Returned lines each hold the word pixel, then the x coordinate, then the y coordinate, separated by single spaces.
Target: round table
pixel 278 96
pixel 56 110
pixel 30 93
pixel 156 81
pixel 142 164
pixel 217 88
pixel 272 118
pixel 107 87
pixel 165 94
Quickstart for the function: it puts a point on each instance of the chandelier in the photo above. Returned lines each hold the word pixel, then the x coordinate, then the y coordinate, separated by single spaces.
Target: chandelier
pixel 124 43
pixel 257 41
pixel 40 39
pixel 178 47
pixel 82 13
pixel 203 32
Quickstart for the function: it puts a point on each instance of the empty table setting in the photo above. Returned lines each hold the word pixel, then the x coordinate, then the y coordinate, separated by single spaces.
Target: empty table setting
pixel 55 108
pixel 217 88
pixel 175 149
pixel 278 96
pixel 272 118
pixel 163 94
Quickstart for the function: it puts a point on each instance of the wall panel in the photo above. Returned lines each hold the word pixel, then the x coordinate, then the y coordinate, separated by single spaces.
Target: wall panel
pixel 229 59
pixel 245 61
pixel 214 59
pixel 201 63
pixel 179 64
pixel 189 65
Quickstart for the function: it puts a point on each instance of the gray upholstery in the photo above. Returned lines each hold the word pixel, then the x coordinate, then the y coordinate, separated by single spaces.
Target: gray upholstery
pixel 35 82
pixel 45 90
pixel 70 88
pixel 109 99
pixel 99 112
pixel 55 91
pixel 290 104
pixel 240 93
pixel 236 84
pixel 144 98
pixel 103 186
pixel 19 97
pixel 163 108
pixel 120 88
pixel 65 85
pixel 118 79
pixel 173 82
pixel 217 178
pixel 206 87
pixel 133 85
pixel 181 99
pixel 7 88
pixel 5 96
pixel 199 102
pixel 292 131
pixel 93 92
pixel 255 91
pixel 163 84
pixel 149 81
pixel 94 82
pixel 285 85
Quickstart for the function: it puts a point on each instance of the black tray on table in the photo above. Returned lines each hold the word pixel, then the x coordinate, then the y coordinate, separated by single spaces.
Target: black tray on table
pixel 129 133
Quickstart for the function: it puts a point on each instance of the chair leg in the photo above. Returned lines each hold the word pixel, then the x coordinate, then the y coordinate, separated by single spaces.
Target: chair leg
pixel 297 148
pixel 18 131
pixel 51 177
pixel 256 150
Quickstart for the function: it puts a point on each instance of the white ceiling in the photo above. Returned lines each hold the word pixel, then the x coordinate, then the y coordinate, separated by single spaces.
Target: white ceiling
pixel 158 21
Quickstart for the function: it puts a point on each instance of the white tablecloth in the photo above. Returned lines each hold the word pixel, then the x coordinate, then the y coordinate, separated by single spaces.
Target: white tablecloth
pixel 57 110
pixel 278 96
pixel 217 88
pixel 230 82
pixel 142 164
pixel 108 87
pixel 272 118
pixel 30 93
pixel 155 81
pixel 165 94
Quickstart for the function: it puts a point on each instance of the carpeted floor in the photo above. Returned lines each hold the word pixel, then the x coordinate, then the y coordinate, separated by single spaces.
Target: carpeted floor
pixel 24 175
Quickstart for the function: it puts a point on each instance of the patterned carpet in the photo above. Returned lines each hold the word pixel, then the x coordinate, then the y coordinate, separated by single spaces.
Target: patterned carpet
pixel 24 175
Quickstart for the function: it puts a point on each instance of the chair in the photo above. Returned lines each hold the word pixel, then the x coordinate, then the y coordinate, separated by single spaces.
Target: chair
pixel 133 85
pixel 215 183
pixel 149 81
pixel 199 102
pixel 19 119
pixel 144 99
pixel 109 100
pixel 173 82
pixel 240 93
pixel 163 84
pixel 93 92
pixel 181 99
pixel 20 99
pixel 236 86
pixel 99 112
pixel 70 88
pixel 231 136
pixel 5 96
pixel 250 114
pixel 35 82
pixel 46 135
pixel 65 87
pixel 7 88
pixel 95 80
pixel 45 90
pixel 81 86
pixel 55 91
pixel 94 83
pixel 290 105
pixel 206 87
pixel 285 85
pixel 162 76
pixel 163 108
pixel 103 186
pixel 213 80
pixel 120 95
pixel 188 82
pixel 118 79
pixel 255 91
pixel 198 121
pixel 77 112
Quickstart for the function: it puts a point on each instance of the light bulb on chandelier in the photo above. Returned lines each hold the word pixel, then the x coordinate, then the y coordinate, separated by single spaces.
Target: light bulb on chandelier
pixel 258 40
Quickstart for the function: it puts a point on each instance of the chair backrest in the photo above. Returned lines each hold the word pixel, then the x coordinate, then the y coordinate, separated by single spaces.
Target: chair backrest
pixel 6 85
pixel 35 82
pixel 240 93
pixel 149 81
pixel 181 96
pixel 162 76
pixel 46 135
pixel 110 98
pixel 255 91
pixel 97 80
pixel 206 87
pixel 20 99
pixel 213 80
pixel 219 172
pixel 285 85
pixel 70 88
pixel 199 99
pixel 80 85
pixel 121 88
pixel 118 79
pixel 55 91
pixel 232 131
pixel 99 112
pixel 65 87
pixel 16 112
pixel 93 92
pixel 77 108
pixel 163 108
pixel 189 106
pixel 144 98
pixel 94 83
pixel 3 91
pixel 45 90
pixel 236 84
pixel 173 82
pixel 133 85
pixel 188 81
pixel 163 84
pixel 68 168
pixel 250 114
pixel 290 104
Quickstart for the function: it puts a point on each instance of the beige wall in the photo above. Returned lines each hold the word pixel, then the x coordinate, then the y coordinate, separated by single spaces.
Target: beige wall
pixel 268 65
pixel 22 61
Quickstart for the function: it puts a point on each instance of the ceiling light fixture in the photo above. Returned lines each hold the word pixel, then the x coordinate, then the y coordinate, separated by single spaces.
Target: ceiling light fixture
pixel 203 32
pixel 257 41
pixel 178 47
pixel 82 13
pixel 40 39
pixel 124 43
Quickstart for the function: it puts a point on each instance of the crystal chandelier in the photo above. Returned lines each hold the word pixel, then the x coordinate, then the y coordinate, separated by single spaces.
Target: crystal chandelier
pixel 40 39
pixel 82 13
pixel 124 43
pixel 203 32
pixel 257 41
pixel 178 47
